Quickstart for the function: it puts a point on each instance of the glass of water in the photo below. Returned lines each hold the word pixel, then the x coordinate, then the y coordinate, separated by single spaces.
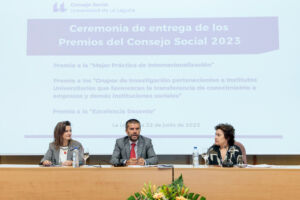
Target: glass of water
pixel 240 162
pixel 86 155
pixel 204 155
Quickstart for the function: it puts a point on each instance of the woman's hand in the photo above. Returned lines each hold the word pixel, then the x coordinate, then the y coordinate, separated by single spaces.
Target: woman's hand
pixel 67 163
pixel 47 163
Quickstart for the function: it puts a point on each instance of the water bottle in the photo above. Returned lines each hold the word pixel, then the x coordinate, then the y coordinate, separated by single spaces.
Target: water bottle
pixel 195 157
pixel 75 157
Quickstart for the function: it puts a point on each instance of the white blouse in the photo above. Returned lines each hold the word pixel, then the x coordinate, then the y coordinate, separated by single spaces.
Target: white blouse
pixel 63 154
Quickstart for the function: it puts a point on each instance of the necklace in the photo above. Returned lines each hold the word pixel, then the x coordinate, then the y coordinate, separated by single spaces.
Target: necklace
pixel 65 150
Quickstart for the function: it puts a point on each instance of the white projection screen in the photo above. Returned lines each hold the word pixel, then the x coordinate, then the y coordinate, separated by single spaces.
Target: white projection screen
pixel 180 67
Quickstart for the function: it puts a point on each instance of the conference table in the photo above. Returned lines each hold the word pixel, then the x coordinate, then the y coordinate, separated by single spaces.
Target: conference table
pixel 106 182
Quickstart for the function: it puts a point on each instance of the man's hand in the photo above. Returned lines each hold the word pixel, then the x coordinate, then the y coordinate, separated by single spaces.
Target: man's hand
pixel 141 161
pixel 47 163
pixel 132 161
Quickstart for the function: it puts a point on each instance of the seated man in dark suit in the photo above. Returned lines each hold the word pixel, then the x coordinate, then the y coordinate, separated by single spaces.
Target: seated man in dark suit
pixel 134 149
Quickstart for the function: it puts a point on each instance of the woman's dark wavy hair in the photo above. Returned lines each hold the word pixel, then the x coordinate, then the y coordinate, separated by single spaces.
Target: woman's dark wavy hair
pixel 228 132
pixel 59 130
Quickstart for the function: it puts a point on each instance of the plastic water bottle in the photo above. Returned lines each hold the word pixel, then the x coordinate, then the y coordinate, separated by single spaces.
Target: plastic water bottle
pixel 195 157
pixel 75 157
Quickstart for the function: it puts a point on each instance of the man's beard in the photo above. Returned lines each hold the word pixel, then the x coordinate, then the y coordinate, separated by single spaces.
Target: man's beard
pixel 131 137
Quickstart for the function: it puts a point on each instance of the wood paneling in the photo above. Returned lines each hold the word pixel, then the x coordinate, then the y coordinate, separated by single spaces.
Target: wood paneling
pixel 172 159
pixel 77 183
pixel 245 184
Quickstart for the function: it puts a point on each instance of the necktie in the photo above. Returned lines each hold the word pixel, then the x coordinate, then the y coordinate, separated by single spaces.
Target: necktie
pixel 132 151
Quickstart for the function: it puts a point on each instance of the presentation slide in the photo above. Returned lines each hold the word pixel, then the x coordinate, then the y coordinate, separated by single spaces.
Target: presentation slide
pixel 179 67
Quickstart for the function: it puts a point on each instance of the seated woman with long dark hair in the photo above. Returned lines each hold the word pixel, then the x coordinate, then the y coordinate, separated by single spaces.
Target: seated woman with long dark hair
pixel 60 151
pixel 224 152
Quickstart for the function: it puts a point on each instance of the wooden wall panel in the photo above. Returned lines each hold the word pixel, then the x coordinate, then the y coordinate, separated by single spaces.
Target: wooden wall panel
pixel 172 159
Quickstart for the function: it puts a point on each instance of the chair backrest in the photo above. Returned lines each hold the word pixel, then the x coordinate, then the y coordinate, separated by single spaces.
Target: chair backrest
pixel 243 151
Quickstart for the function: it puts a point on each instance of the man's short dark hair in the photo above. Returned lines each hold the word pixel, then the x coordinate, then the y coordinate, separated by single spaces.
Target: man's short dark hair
pixel 132 121
pixel 228 132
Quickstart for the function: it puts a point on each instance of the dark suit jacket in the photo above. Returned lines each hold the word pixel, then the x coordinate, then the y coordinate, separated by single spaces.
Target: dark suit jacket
pixel 144 150
pixel 53 153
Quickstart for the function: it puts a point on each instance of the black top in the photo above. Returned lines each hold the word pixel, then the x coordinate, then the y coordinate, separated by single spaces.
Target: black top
pixel 233 156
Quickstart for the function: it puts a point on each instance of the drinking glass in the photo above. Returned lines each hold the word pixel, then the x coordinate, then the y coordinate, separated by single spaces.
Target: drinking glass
pixel 204 155
pixel 240 161
pixel 86 155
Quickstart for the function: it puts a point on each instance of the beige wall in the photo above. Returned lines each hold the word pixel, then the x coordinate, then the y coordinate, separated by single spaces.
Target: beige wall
pixel 172 159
